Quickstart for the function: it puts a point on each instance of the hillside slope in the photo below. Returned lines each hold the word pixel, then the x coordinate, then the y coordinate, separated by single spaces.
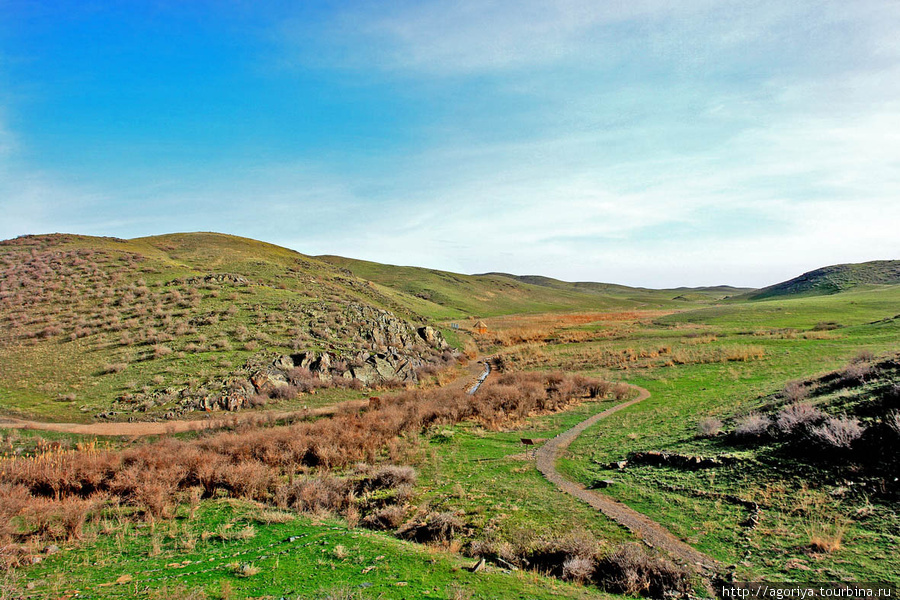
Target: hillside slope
pixel 654 297
pixel 832 280
pixel 161 326
pixel 446 295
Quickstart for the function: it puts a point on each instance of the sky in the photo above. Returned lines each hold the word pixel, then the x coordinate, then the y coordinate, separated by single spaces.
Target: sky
pixel 642 142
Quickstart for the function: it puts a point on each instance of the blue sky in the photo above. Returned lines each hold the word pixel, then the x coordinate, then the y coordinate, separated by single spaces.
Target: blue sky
pixel 644 142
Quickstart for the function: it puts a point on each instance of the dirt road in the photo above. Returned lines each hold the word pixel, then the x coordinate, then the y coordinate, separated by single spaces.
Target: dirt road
pixel 141 428
pixel 649 531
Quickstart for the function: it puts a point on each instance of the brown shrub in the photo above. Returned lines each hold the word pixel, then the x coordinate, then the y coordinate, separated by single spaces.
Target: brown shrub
pixel 159 351
pixel 709 427
pixel 752 425
pixel 838 432
pixel 795 391
pixel 387 518
pixel 578 568
pixel 629 569
pixel 284 392
pixel 856 373
pixel 250 479
pixel 795 416
pixel 248 463
pixel 388 477
pixel 115 367
pixel 325 494
pixel 435 527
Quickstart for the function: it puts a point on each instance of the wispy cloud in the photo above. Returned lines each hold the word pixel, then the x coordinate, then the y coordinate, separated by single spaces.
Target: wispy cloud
pixel 644 142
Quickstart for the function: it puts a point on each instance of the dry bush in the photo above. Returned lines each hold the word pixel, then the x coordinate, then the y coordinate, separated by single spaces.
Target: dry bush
pixel 795 416
pixel 114 367
pixel 838 432
pixel 856 373
pixel 795 391
pixel 387 518
pixel 325 494
pixel 578 568
pixel 284 392
pixel 250 462
pixel 159 351
pixel 826 535
pixel 709 427
pixel 863 356
pixel 752 425
pixel 249 479
pixel 435 527
pixel 629 569
pixel 387 477
pixel 893 421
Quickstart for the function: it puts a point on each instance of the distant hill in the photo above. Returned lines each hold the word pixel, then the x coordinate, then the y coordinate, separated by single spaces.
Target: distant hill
pixel 832 280
pixel 635 294
pixel 446 295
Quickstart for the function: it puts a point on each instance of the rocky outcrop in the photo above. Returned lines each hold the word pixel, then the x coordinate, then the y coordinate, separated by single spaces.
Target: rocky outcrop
pixel 355 342
pixel 213 278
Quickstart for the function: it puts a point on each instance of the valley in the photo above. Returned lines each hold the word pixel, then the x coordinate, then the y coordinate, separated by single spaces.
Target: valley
pixel 339 456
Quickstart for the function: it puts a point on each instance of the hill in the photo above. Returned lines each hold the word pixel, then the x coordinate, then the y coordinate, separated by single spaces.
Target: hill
pixel 161 326
pixel 655 297
pixel 446 295
pixel 832 280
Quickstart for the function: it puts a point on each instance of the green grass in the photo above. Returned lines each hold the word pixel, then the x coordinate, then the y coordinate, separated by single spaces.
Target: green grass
pixel 833 279
pixel 301 558
pixel 683 394
pixel 488 476
pixel 442 295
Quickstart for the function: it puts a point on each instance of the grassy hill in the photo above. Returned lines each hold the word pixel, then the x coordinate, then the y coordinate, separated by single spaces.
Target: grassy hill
pixel 655 298
pixel 446 295
pixel 159 326
pixel 832 280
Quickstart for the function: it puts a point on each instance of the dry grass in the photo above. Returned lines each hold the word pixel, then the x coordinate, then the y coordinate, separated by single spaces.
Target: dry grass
pixel 58 489
pixel 826 535
pixel 526 329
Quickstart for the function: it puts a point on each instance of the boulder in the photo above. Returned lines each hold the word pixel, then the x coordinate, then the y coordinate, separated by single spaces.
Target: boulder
pixel 267 380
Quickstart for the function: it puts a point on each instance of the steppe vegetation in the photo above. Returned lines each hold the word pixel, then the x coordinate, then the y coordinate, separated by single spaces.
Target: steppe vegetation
pixel 770 440
pixel 103 330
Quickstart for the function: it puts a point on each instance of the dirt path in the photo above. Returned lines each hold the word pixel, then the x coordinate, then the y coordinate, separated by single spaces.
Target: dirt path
pixel 142 428
pixel 651 532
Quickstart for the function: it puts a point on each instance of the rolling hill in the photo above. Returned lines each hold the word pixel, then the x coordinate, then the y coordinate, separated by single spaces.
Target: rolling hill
pixel 156 327
pixel 446 295
pixel 654 297
pixel 160 326
pixel 832 280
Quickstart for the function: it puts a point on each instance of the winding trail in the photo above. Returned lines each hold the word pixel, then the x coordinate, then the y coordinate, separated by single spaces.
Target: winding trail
pixel 651 532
